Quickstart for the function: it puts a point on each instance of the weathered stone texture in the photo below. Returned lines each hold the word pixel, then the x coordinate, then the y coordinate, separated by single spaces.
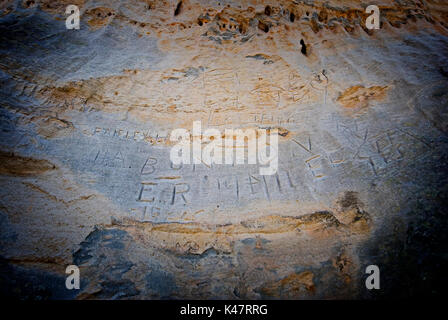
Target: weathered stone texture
pixel 85 176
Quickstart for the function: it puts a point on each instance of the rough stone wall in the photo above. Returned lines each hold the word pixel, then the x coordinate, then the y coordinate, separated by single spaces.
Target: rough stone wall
pixel 85 176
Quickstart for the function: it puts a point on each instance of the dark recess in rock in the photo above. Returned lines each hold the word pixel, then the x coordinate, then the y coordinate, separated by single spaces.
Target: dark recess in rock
pixel 267 10
pixel 263 26
pixel 303 49
pixel 178 8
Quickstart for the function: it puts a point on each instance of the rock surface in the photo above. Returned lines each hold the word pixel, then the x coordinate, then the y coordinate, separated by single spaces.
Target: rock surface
pixel 86 178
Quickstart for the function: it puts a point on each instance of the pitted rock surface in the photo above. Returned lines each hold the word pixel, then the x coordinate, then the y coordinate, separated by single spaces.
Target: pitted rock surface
pixel 86 178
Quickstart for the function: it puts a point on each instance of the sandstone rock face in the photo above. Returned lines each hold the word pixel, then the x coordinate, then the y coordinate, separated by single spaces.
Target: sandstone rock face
pixel 85 170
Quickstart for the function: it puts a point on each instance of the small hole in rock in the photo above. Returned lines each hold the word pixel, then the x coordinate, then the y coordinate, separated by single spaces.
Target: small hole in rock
pixel 263 26
pixel 303 50
pixel 292 17
pixel 267 10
